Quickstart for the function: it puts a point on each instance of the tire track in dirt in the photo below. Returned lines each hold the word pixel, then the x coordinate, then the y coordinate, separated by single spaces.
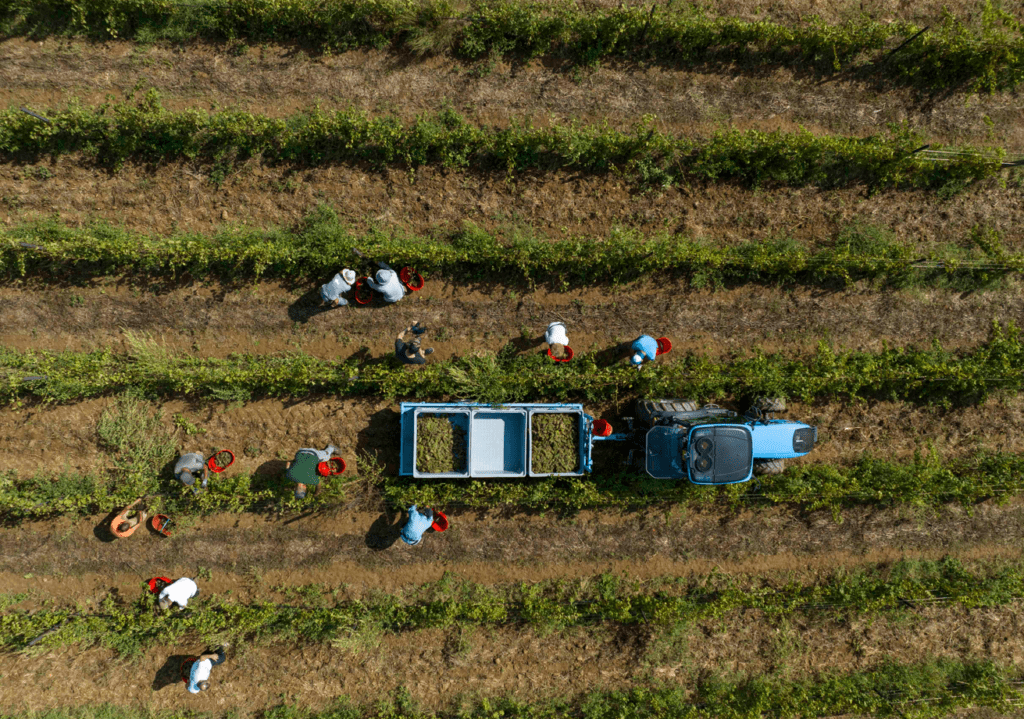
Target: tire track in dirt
pixel 265 433
pixel 214 320
pixel 437 665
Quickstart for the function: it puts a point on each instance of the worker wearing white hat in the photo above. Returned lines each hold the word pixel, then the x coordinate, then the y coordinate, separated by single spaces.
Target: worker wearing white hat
pixel 556 338
pixel 332 292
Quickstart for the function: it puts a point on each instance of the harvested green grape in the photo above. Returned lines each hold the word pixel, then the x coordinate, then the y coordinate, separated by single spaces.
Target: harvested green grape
pixel 555 443
pixel 440 445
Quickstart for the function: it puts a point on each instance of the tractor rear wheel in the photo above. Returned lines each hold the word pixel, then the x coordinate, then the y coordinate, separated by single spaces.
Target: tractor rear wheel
pixel 770 404
pixel 765 467
pixel 650 411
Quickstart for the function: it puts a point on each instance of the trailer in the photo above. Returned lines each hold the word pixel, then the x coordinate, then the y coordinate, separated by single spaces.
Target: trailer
pixel 669 439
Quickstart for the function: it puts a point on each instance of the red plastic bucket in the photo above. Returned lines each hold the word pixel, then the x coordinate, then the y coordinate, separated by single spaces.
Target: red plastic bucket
pixel 323 469
pixel 412 279
pixel 336 465
pixel 440 522
pixel 363 293
pixel 186 668
pixel 602 428
pixel 155 584
pixel 568 355
pixel 159 524
pixel 664 346
pixel 212 461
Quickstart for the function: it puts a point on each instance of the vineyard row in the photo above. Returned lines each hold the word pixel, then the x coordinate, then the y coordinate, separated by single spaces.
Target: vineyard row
pixel 321 244
pixel 926 480
pixel 142 129
pixel 987 55
pixel 932 375
pixel 131 628
pixel 932 689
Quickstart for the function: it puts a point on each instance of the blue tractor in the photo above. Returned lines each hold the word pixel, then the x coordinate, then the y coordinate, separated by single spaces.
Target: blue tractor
pixel 710 445
pixel 675 439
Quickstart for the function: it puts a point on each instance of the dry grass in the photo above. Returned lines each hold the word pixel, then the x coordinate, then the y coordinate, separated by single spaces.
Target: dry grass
pixel 276 83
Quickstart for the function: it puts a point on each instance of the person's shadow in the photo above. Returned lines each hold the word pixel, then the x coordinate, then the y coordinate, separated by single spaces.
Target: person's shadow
pixel 308 306
pixel 102 530
pixel 383 532
pixel 608 357
pixel 170 672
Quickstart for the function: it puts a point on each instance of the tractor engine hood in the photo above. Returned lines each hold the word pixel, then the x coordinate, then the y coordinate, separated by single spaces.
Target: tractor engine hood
pixel 720 454
pixel 666 452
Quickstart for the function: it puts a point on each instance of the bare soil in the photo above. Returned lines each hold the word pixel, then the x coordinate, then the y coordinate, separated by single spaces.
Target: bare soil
pixel 214 320
pixel 350 545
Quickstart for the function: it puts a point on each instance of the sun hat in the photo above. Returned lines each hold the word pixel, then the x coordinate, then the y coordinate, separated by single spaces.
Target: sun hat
pixel 637 358
pixel 349 276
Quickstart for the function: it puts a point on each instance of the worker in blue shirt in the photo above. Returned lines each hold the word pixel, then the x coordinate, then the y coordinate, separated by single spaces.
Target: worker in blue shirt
pixel 419 522
pixel 644 348
pixel 387 284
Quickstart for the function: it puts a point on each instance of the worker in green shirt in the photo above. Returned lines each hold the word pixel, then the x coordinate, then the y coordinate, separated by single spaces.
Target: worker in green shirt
pixel 303 469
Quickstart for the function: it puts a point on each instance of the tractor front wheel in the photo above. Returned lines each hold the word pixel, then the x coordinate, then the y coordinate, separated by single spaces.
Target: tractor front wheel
pixel 765 467
pixel 650 411
pixel 770 404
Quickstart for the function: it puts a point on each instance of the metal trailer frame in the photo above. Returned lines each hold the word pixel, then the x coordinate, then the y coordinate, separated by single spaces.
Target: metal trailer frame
pixel 498 438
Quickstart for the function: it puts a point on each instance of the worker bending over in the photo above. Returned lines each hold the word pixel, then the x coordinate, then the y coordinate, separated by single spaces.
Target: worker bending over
pixel 644 349
pixel 178 592
pixel 388 284
pixel 190 466
pixel 199 674
pixel 303 469
pixel 418 523
pixel 331 293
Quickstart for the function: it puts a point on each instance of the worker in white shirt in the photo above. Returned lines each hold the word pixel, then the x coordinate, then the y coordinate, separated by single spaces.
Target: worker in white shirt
pixel 178 592
pixel 199 674
pixel 557 339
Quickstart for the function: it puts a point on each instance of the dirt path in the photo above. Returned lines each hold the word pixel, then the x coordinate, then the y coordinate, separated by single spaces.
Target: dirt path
pixel 351 547
pixel 215 320
pixel 438 665
pixel 276 81
pixel 263 433
pixel 555 204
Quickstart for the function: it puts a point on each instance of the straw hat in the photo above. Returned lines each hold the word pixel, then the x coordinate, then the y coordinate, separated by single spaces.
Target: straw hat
pixel 349 276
